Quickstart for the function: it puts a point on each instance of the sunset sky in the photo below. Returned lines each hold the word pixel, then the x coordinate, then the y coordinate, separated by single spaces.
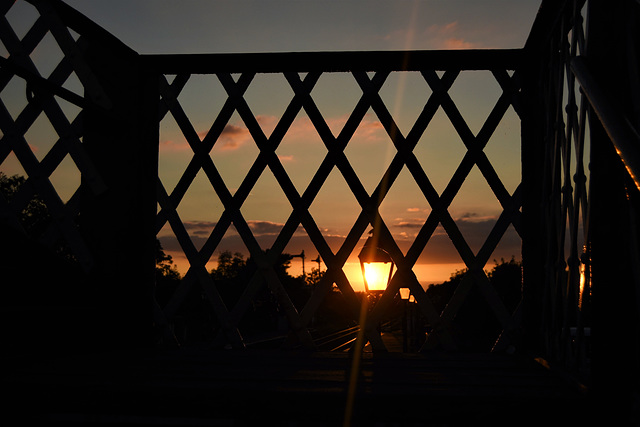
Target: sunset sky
pixel 188 26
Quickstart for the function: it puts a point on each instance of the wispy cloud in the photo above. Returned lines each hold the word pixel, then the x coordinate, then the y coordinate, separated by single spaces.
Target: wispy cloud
pixel 448 36
pixel 258 227
pixel 232 137
pixel 287 159
pixel 409 224
pixel 476 217
pixel 261 228
pixel 369 130
pixel 302 130
pixel 199 228
pixel 173 146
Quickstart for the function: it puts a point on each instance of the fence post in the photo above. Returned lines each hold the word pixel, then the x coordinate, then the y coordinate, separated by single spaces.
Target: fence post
pixel 614 299
pixel 532 72
pixel 533 247
pixel 119 225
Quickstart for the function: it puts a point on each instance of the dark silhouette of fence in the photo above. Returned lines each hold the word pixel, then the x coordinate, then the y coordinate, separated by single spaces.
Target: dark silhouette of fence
pixel 574 87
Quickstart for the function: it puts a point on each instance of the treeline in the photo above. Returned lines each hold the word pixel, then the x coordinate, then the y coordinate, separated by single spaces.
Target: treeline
pixel 475 326
pixel 195 320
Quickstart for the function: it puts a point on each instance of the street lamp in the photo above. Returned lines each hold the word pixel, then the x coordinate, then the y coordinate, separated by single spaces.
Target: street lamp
pixel 376 264
pixel 377 270
pixel 407 318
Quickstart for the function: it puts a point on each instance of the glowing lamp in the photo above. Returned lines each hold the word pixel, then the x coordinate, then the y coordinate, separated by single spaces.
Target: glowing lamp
pixel 377 266
pixel 405 293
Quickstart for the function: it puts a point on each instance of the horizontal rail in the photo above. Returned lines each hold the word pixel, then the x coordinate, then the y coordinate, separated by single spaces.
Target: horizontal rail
pixel 279 62
pixel 337 341
pixel 623 135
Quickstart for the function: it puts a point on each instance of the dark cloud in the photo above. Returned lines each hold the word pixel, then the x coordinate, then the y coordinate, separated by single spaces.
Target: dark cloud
pixel 262 228
pixel 199 226
pixel 439 249
pixel 474 228
pixel 409 224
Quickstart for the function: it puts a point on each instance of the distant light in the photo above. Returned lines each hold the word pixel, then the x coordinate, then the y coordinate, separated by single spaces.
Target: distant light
pixel 376 275
pixel 376 264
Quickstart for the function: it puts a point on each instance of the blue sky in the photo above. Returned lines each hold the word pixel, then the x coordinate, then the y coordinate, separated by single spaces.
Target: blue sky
pixel 221 26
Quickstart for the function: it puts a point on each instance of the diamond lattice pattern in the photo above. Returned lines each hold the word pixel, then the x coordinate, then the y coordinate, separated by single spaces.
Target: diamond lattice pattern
pixel 42 84
pixel 370 117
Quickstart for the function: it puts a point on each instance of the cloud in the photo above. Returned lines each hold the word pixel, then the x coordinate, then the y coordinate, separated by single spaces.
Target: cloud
pixel 172 146
pixel 303 130
pixel 232 137
pixel 199 228
pixel 267 123
pixel 475 217
pixel 457 43
pixel 287 159
pixel 447 36
pixel 262 228
pixel 418 223
pixel 439 250
pixel 369 130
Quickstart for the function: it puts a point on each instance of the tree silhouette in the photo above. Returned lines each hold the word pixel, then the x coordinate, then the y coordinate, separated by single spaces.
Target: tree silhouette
pixel 33 215
pixel 230 266
pixel 475 325
pixel 167 276
pixel 314 277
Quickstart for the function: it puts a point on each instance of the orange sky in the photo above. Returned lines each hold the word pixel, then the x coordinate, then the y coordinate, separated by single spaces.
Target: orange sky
pixel 159 26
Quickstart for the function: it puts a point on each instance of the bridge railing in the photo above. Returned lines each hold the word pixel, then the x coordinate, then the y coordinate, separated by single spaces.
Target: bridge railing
pixel 72 164
pixel 369 71
pixel 121 101
pixel 584 104
pixel 575 209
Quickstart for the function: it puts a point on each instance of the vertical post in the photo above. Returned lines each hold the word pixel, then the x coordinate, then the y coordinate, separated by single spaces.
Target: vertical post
pixel 615 315
pixel 533 231
pixel 119 224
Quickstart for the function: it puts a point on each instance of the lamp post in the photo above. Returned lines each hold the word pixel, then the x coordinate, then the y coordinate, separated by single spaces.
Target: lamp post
pixel 405 295
pixel 376 264
pixel 377 270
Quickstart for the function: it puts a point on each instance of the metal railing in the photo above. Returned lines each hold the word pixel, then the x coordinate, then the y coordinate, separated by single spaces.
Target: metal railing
pixel 356 65
pixel 120 97
pixel 588 190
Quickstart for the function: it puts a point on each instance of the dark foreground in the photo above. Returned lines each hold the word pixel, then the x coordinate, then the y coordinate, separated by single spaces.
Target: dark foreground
pixel 220 388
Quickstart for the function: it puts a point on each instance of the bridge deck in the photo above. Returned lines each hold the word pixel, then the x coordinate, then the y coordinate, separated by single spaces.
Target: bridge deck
pixel 201 387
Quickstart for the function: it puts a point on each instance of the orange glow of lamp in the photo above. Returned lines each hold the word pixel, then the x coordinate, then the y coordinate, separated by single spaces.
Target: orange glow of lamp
pixel 377 266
